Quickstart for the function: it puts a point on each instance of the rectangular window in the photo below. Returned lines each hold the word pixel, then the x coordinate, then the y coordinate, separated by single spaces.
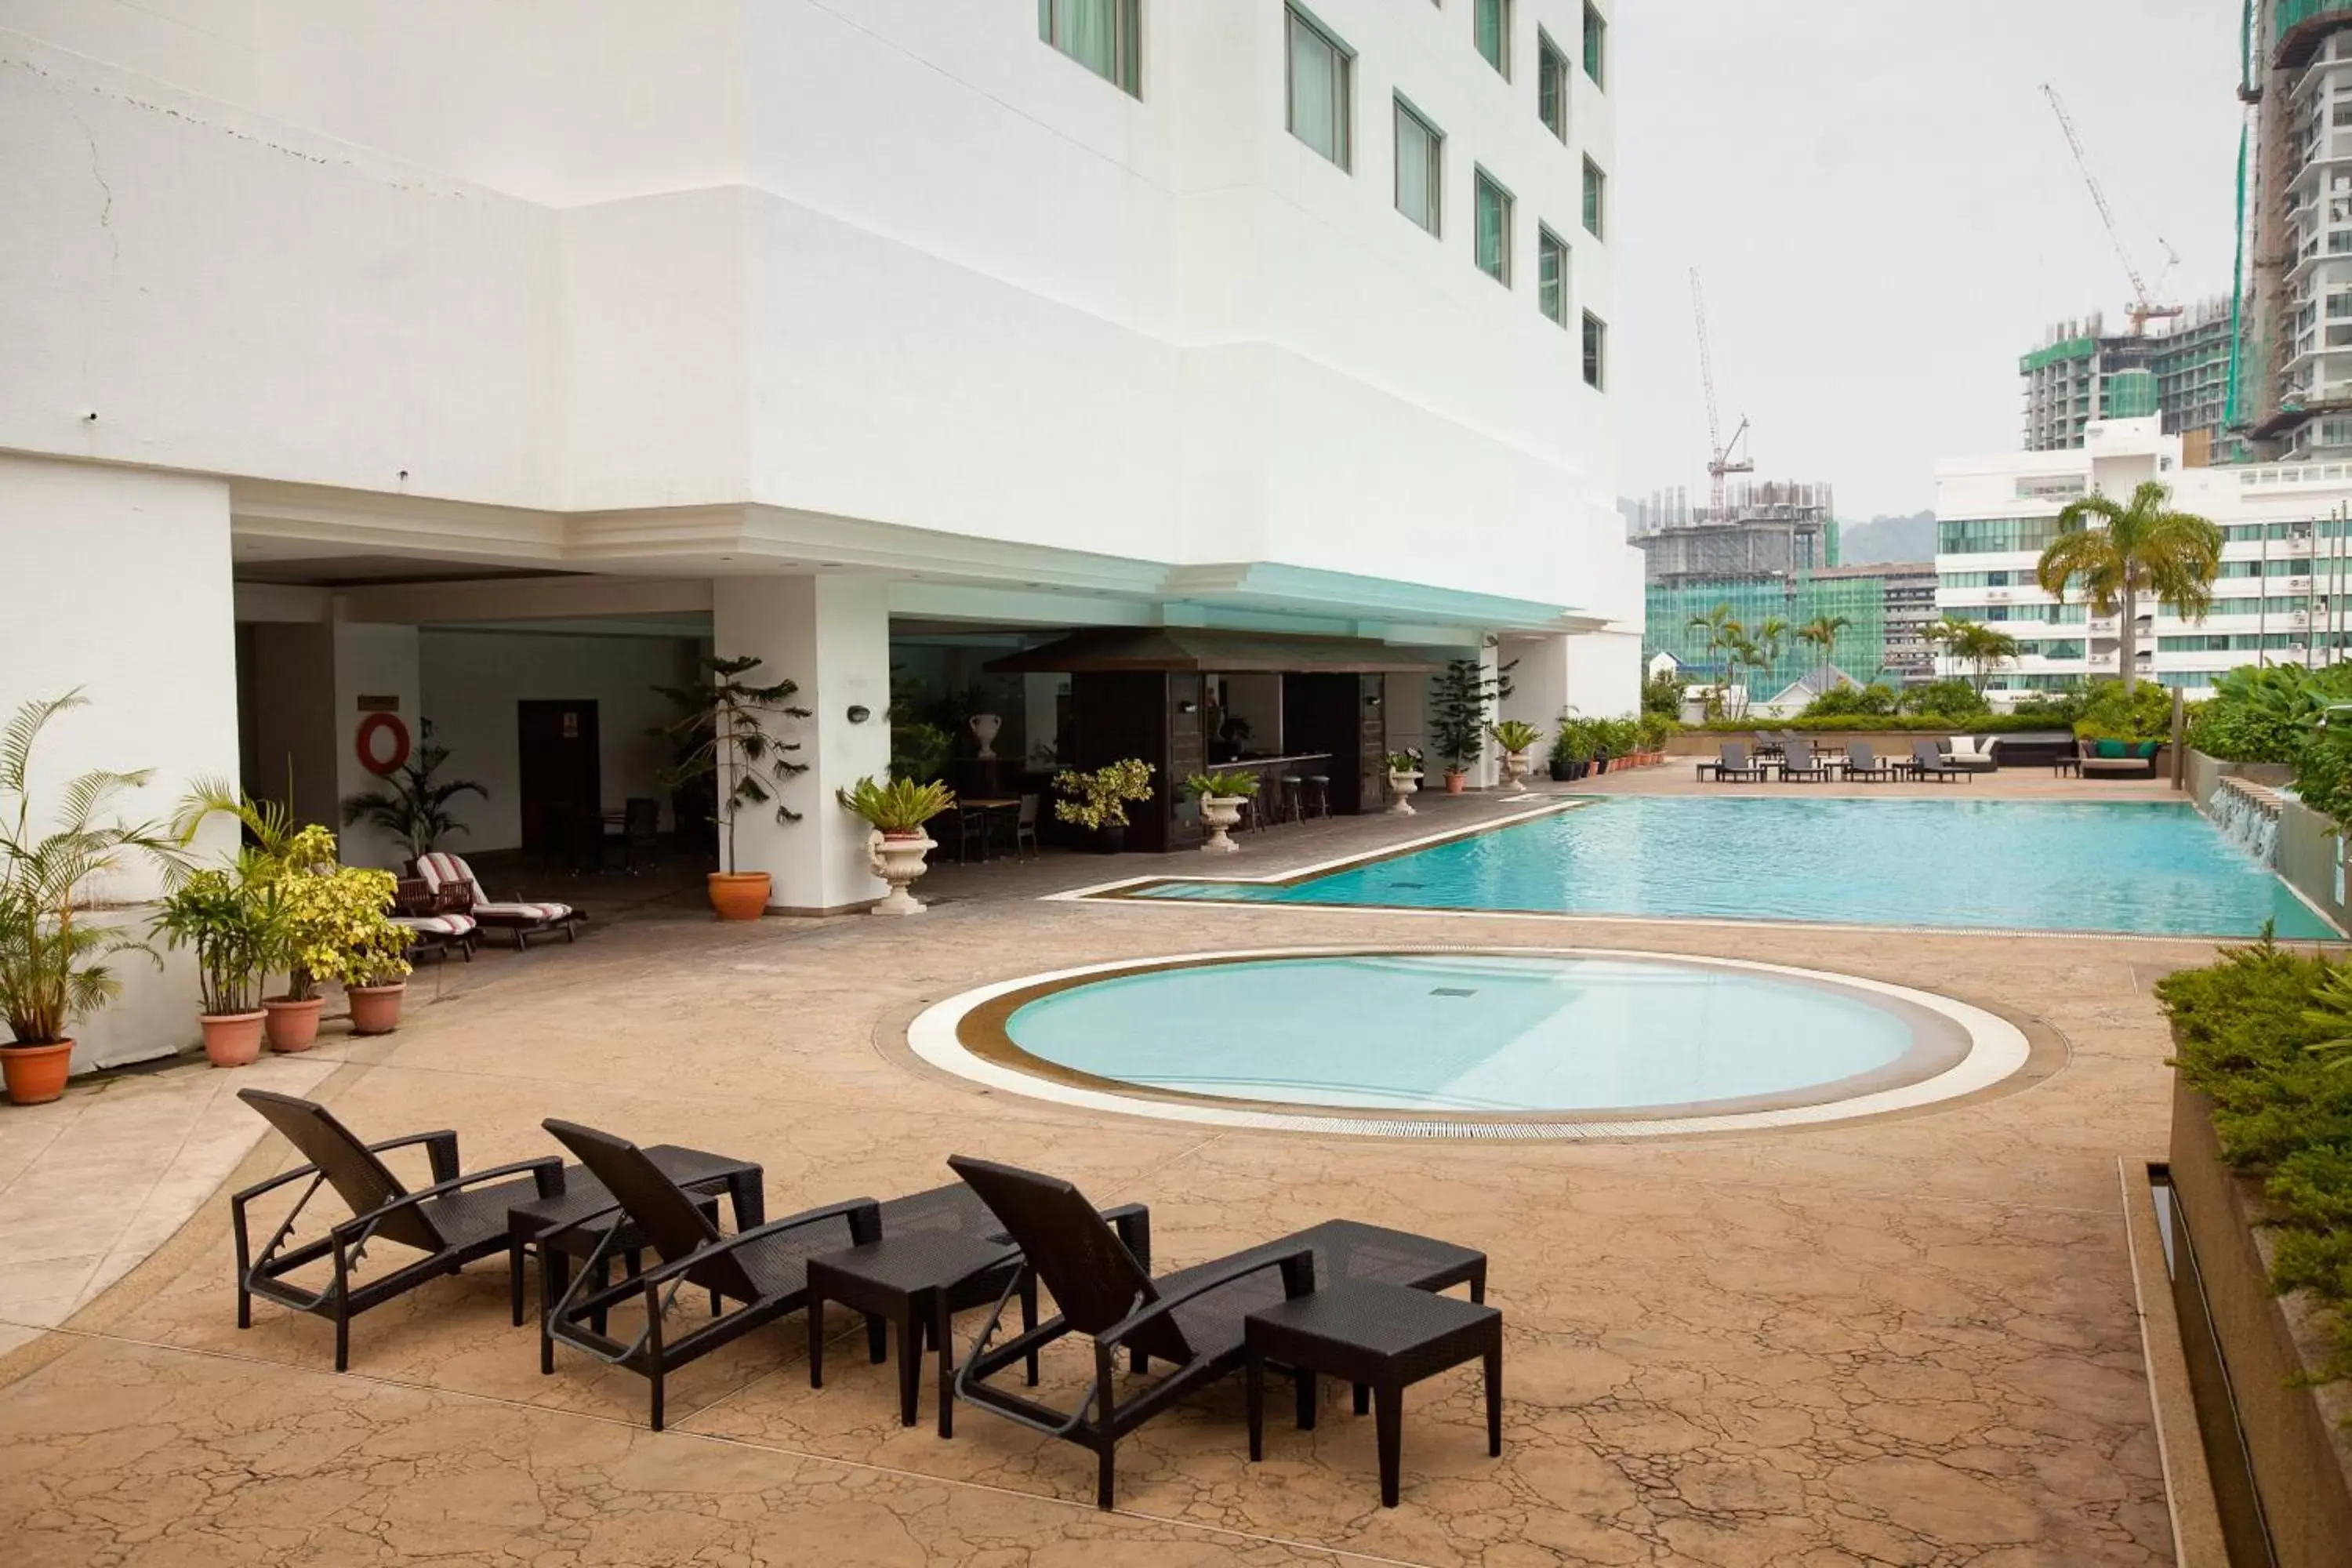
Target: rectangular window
pixel 1596 43
pixel 1420 167
pixel 1596 351
pixel 1493 211
pixel 1551 275
pixel 1596 197
pixel 1320 67
pixel 1104 36
pixel 1490 24
pixel 1552 85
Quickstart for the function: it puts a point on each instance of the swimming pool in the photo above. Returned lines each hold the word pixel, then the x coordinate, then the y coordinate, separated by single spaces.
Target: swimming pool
pixel 2147 868
pixel 1470 1043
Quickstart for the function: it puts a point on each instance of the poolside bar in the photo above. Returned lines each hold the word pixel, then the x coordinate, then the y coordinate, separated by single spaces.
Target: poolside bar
pixel 1190 700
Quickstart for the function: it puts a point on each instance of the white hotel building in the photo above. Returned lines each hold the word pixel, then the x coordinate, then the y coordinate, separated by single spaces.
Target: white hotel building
pixel 461 354
pixel 2281 597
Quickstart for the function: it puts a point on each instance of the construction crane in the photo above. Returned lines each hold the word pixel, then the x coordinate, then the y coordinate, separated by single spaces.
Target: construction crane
pixel 1718 451
pixel 2143 308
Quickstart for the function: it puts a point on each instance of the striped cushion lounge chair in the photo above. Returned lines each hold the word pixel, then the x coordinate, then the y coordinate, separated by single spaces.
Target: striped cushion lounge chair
pixel 438 934
pixel 444 872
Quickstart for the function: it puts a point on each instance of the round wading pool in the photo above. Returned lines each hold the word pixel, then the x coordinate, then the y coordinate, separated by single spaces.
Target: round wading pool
pixel 1471 1044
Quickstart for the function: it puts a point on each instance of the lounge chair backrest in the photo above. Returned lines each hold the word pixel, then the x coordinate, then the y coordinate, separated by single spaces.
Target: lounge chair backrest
pixel 441 869
pixel 1735 754
pixel 1095 1279
pixel 1858 754
pixel 659 1206
pixel 1796 752
pixel 1923 751
pixel 350 1166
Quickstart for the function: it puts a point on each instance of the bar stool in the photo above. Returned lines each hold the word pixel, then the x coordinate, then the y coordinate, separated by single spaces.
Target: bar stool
pixel 1292 806
pixel 1317 801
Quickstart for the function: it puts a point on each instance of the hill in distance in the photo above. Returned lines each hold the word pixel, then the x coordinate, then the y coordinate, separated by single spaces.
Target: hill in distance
pixel 1903 537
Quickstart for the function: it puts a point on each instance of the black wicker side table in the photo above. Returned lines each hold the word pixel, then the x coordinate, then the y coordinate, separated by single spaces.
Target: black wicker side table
pixel 1377 1335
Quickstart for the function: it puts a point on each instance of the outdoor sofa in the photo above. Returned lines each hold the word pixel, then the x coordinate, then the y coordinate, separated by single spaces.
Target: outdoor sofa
pixel 2118 759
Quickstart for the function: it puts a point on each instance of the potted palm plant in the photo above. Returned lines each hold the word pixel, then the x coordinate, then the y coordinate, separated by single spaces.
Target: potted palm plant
pixel 54 955
pixel 413 806
pixel 721 733
pixel 1516 737
pixel 1098 801
pixel 1221 796
pixel 1571 749
pixel 234 919
pixel 897 809
pixel 1404 781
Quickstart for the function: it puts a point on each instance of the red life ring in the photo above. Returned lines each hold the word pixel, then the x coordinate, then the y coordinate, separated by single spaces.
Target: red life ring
pixel 376 724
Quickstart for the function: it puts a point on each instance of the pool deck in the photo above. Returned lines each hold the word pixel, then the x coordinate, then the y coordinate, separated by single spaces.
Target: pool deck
pixel 1910 1340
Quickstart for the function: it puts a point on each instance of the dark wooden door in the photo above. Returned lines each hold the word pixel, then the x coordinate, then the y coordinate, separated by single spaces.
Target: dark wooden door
pixel 558 784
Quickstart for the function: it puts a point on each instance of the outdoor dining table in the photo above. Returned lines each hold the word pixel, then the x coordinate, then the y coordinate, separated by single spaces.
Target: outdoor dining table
pixel 987 806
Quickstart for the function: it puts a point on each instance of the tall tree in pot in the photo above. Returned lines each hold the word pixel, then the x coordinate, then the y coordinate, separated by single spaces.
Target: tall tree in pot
pixel 54 965
pixel 721 732
pixel 1462 702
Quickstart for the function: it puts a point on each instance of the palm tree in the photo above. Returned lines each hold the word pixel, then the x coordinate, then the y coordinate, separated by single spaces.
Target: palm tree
pixel 1771 635
pixel 1821 632
pixel 1722 632
pixel 1743 653
pixel 1973 643
pixel 2144 548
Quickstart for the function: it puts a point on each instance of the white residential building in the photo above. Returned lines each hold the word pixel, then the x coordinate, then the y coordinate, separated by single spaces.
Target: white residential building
pixel 446 357
pixel 2281 597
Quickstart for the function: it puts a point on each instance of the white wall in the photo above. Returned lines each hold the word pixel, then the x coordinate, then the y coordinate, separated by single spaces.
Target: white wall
pixel 594 256
pixel 372 660
pixel 471 681
pixel 154 652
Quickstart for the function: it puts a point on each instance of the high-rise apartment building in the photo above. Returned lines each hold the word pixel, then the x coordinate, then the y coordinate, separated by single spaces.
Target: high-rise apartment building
pixel 2281 596
pixel 2081 373
pixel 2295 384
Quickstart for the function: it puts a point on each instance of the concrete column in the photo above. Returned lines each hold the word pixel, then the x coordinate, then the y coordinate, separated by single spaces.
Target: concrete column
pixel 1489 765
pixel 118 585
pixel 831 633
pixel 376 670
pixel 1538 690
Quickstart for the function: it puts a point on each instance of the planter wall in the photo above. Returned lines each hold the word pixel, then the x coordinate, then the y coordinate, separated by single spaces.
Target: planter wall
pixel 2308 851
pixel 2295 1442
pixel 2206 773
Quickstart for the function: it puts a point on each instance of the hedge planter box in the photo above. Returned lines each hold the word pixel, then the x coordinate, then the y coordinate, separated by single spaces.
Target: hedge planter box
pixel 2296 1442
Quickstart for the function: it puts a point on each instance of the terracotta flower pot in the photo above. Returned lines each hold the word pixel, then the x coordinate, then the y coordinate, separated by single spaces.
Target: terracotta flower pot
pixel 1457 782
pixel 292 1025
pixel 36 1074
pixel 739 895
pixel 376 1009
pixel 232 1040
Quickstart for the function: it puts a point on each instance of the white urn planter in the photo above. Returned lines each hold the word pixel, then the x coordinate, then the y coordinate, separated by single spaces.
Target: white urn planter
pixel 984 727
pixel 1515 769
pixel 1221 813
pixel 1402 789
pixel 899 859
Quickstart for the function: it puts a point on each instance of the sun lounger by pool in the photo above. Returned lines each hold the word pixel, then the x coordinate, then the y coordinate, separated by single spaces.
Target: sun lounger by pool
pixel 1732 763
pixel 1863 763
pixel 1926 763
pixel 1799 762
pixel 445 875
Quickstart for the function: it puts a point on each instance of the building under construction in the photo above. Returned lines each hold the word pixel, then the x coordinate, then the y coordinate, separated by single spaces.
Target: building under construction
pixel 2292 386
pixel 2179 368
pixel 1762 531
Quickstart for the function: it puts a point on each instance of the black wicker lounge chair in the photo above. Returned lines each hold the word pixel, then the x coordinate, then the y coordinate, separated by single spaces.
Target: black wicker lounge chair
pixel 1927 763
pixel 1863 763
pixel 1193 1318
pixel 453 1222
pixel 1732 763
pixel 765 1268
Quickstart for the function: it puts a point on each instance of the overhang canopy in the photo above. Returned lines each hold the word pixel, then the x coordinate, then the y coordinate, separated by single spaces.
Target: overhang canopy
pixel 1201 649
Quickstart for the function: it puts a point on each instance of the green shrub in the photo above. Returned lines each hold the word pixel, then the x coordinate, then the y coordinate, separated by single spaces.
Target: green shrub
pixel 1954 700
pixel 1663 693
pixel 1875 701
pixel 2255 1032
pixel 2264 715
pixel 1901 723
pixel 2110 712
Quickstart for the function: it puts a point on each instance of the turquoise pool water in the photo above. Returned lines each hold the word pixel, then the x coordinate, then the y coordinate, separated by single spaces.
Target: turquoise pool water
pixel 2154 868
pixel 1463 1032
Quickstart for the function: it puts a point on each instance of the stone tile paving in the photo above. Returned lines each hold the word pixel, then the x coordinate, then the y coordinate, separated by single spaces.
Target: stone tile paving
pixel 1903 1341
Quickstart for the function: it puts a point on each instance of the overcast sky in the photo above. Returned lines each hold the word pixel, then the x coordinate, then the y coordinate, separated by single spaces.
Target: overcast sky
pixel 1886 215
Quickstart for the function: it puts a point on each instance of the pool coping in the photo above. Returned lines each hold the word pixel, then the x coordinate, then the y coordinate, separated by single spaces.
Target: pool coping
pixel 1133 892
pixel 1999 1053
